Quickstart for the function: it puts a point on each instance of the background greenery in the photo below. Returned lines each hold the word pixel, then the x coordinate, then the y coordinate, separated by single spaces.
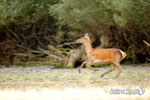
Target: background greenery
pixel 33 26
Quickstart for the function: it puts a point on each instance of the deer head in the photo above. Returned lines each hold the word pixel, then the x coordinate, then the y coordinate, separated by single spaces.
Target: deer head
pixel 83 39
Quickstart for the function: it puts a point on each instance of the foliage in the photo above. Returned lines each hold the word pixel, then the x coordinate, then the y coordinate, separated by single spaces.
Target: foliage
pixel 31 24
pixel 22 12
pixel 135 20
pixel 86 15
pixel 26 20
pixel 125 22
pixel 27 24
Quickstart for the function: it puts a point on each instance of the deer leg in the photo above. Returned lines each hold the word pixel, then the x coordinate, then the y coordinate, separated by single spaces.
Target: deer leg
pixel 89 66
pixel 112 69
pixel 120 70
pixel 82 66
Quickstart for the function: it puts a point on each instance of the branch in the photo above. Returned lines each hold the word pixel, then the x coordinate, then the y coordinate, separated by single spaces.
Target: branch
pixel 148 44
pixel 14 34
pixel 54 56
pixel 69 44
pixel 30 50
pixel 45 51
pixel 20 54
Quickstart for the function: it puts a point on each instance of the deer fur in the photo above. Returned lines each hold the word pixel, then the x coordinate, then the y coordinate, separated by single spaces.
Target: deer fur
pixel 111 56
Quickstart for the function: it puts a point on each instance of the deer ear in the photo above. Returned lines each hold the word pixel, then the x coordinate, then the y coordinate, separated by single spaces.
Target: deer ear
pixel 86 34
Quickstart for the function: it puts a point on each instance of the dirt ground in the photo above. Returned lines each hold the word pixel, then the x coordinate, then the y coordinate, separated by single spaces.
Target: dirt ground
pixel 38 82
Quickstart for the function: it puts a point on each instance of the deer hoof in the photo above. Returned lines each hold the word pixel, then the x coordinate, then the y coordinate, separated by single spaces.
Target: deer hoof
pixel 102 75
pixel 79 71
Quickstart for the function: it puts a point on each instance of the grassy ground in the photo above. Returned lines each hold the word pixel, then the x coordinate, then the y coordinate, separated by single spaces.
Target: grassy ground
pixel 70 85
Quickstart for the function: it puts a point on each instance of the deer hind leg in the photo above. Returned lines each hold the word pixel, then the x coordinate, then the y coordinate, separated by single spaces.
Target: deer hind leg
pixel 120 70
pixel 112 69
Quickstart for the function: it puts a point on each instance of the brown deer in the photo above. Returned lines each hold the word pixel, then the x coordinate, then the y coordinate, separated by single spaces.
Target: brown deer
pixel 111 56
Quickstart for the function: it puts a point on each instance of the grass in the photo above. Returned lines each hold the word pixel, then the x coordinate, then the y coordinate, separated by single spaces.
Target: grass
pixel 61 79
pixel 54 76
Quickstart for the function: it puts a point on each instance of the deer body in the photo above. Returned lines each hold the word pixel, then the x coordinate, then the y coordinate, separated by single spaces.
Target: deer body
pixel 112 56
pixel 102 56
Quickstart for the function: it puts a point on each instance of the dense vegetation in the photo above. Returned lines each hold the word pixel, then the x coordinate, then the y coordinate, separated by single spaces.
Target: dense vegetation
pixel 35 25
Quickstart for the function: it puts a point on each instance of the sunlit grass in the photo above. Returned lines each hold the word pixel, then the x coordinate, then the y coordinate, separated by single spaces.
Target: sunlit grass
pixel 34 84
pixel 69 94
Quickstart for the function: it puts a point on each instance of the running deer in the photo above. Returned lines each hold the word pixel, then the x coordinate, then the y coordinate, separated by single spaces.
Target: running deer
pixel 111 56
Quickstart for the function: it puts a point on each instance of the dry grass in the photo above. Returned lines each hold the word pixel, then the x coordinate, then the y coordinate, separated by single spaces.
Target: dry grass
pixel 68 94
pixel 44 83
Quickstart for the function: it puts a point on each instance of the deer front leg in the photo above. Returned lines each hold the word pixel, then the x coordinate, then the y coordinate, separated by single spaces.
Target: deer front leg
pixel 82 66
pixel 89 66
pixel 112 69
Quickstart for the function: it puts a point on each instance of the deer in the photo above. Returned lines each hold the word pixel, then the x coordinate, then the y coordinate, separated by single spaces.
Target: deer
pixel 112 56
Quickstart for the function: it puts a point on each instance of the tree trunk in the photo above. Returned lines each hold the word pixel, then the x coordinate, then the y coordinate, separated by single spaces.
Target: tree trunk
pixel 104 41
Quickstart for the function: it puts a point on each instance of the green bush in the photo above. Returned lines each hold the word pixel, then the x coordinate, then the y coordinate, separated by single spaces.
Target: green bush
pixel 126 22
pixel 85 15
pixel 19 19
pixel 133 17
pixel 32 23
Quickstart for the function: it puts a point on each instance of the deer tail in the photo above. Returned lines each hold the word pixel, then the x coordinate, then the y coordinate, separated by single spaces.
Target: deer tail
pixel 123 54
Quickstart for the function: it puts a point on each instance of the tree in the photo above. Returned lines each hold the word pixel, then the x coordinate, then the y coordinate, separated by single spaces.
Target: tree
pixel 124 22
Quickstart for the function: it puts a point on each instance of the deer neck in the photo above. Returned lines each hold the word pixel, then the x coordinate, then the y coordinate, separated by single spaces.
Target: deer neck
pixel 88 47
